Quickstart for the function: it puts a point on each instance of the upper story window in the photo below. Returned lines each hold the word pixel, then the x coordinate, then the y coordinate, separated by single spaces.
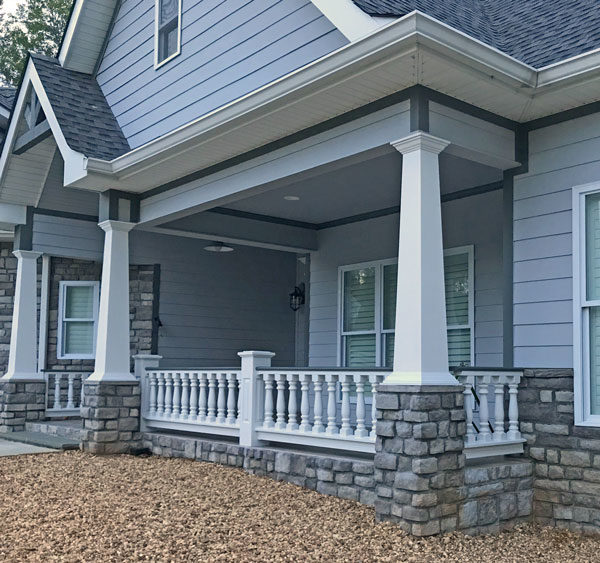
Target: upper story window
pixel 167 40
pixel 368 310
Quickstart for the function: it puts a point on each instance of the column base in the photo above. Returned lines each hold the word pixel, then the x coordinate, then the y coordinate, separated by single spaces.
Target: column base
pixel 100 377
pixel 25 377
pixel 422 488
pixel 111 417
pixel 420 378
pixel 20 402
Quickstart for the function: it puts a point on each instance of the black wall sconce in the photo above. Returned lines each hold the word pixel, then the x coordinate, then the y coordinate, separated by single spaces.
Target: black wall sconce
pixel 298 297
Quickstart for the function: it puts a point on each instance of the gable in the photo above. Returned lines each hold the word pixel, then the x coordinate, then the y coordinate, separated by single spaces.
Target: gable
pixel 229 48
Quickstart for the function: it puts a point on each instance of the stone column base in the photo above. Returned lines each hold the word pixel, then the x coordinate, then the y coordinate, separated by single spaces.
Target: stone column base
pixel 21 402
pixel 111 417
pixel 419 460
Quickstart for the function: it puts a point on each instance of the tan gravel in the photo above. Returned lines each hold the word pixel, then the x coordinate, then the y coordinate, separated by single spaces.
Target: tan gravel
pixel 78 507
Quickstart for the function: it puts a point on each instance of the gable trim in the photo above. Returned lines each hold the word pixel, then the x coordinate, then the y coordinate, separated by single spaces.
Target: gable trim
pixel 349 19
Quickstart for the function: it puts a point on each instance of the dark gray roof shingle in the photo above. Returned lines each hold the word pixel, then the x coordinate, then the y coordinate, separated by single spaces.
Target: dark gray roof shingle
pixel 81 109
pixel 7 97
pixel 536 32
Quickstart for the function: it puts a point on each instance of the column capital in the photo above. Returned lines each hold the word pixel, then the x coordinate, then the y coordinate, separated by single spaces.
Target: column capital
pixel 420 141
pixel 256 354
pixel 110 225
pixel 27 254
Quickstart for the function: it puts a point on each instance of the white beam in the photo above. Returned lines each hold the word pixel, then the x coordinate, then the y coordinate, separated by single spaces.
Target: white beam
pixel 420 341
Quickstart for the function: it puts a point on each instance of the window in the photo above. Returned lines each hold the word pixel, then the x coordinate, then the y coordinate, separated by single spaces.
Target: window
pixel 368 310
pixel 586 301
pixel 77 319
pixel 167 39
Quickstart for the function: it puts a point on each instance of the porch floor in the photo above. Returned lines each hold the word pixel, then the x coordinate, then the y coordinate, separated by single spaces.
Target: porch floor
pixel 151 508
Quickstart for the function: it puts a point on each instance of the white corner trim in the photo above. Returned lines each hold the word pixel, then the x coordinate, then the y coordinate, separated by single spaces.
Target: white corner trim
pixel 350 20
pixel 70 32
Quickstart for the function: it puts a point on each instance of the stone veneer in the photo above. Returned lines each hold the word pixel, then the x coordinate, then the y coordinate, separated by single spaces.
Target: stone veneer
pixel 21 402
pixel 8 275
pixel 340 476
pixel 419 458
pixel 566 457
pixel 111 418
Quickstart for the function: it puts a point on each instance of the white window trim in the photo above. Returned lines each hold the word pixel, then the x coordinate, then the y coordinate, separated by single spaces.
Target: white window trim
pixel 157 63
pixel 61 302
pixel 379 264
pixel 581 373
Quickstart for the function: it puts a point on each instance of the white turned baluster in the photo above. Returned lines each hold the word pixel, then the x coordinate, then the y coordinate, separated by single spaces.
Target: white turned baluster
pixel 239 396
pixel 202 397
pixel 176 395
pixel 185 396
pixel 468 394
pixel 160 397
pixel 82 390
pixel 346 429
pixel 332 427
pixel 513 409
pixel 499 434
pixel 221 402
pixel 318 425
pixel 268 379
pixel 280 424
pixel 193 396
pixel 361 429
pixel 153 393
pixel 212 397
pixel 168 394
pixel 373 381
pixel 231 399
pixel 293 403
pixel 70 402
pixel 304 404
pixel 57 403
pixel 484 417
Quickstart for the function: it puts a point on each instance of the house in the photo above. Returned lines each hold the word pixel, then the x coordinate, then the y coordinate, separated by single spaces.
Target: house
pixel 398 199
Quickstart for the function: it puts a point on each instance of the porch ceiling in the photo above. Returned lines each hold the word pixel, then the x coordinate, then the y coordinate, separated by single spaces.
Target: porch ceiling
pixel 368 186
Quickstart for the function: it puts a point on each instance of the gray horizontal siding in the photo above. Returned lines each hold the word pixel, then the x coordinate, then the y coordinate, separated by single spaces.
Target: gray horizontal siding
pixel 229 48
pixel 68 238
pixel 212 306
pixel 561 157
pixel 473 221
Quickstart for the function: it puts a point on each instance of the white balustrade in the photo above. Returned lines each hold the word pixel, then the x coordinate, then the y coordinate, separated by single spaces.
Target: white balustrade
pixel 190 400
pixel 333 407
pixel 486 436
pixel 64 393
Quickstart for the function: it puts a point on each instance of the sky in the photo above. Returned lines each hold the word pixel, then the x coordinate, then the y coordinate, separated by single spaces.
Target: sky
pixel 10 5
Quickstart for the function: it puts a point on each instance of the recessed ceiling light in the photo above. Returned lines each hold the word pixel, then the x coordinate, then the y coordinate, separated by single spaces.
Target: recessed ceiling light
pixel 218 247
pixel 291 198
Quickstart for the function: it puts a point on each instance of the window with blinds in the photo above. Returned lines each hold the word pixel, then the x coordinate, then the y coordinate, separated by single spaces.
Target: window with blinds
pixel 77 319
pixel 369 310
pixel 168 30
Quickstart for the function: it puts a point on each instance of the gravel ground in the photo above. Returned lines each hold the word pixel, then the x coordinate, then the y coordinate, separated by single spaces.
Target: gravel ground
pixel 78 507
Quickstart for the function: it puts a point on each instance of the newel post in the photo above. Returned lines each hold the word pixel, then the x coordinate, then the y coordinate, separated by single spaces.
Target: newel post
pixel 252 395
pixel 141 363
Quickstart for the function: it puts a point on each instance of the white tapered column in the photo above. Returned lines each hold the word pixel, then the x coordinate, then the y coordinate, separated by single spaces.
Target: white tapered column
pixel 22 361
pixel 112 343
pixel 421 346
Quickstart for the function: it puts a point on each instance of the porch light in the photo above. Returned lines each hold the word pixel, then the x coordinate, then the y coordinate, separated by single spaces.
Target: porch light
pixel 297 297
pixel 218 247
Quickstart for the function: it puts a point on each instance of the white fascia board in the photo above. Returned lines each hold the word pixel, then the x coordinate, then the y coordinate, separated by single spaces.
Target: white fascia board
pixel 13 214
pixel 70 32
pixel 75 162
pixel 349 19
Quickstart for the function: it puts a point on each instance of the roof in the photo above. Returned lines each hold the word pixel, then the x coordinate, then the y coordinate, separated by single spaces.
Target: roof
pixel 84 116
pixel 536 32
pixel 7 97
